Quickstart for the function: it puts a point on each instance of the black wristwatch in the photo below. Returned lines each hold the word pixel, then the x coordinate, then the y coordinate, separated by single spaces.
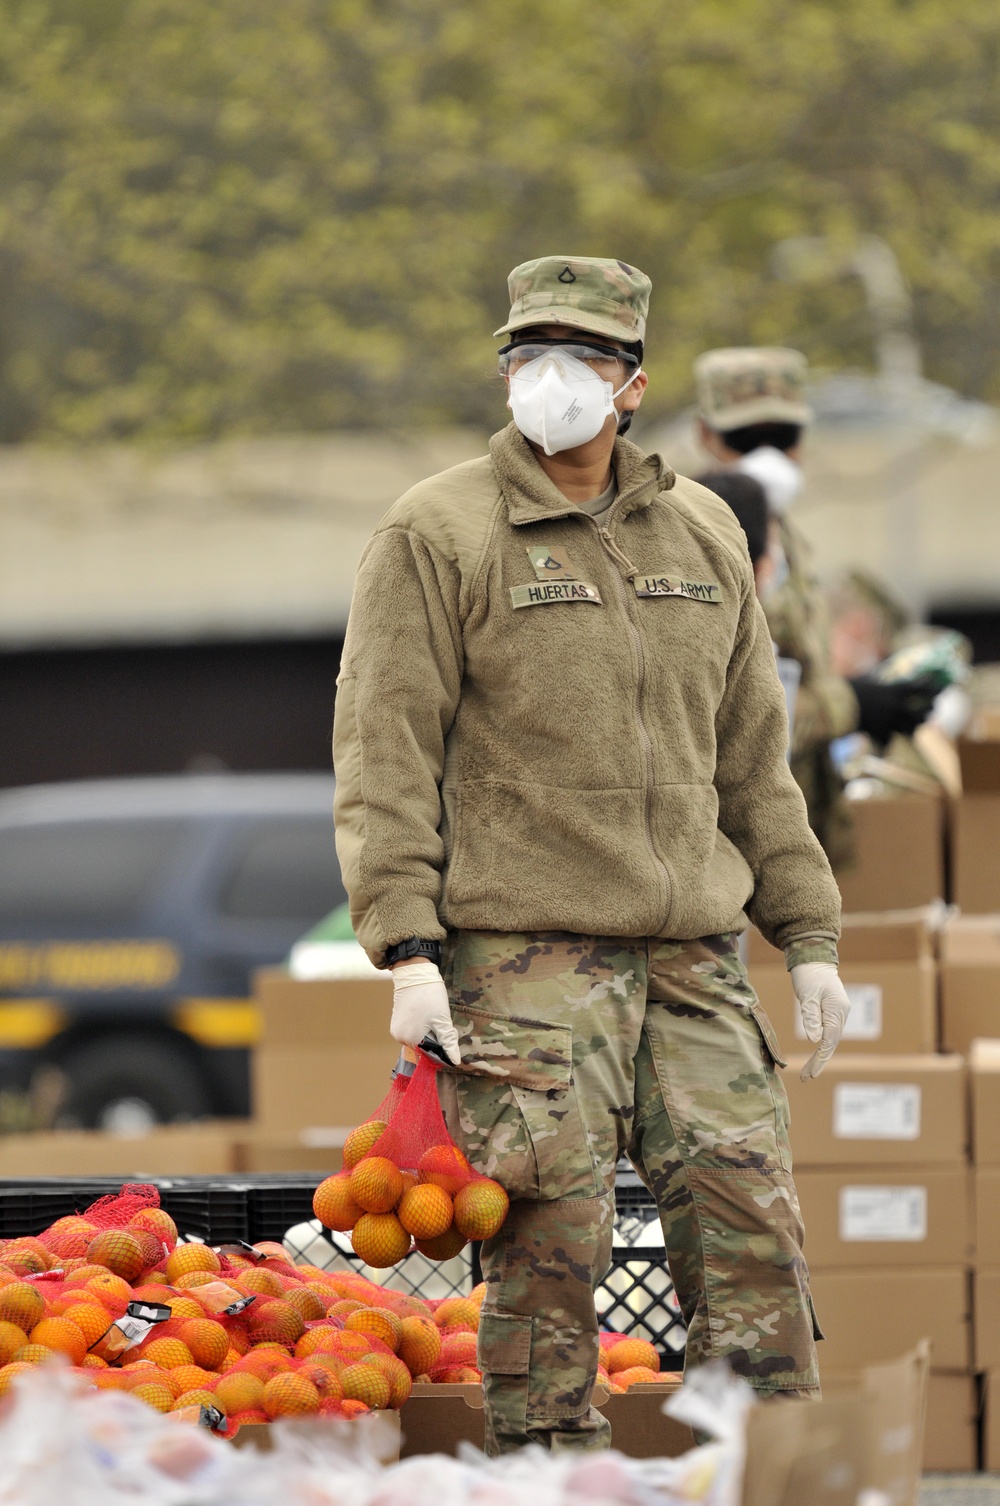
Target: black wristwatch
pixel 414 946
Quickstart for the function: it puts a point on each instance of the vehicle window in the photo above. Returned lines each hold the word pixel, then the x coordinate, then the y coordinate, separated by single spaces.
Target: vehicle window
pixel 82 870
pixel 284 870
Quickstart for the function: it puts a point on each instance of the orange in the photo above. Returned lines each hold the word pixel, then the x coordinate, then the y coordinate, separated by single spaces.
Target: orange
pixel 316 1341
pixel 167 1353
pixel 33 1354
pixel 362 1382
pixel 458 1348
pixel 349 1346
pixel 94 1362
pixel 445 1166
pixel 378 1322
pixel 62 1335
pixel 324 1377
pixel 119 1251
pixel 341 1309
pixel 240 1393
pixel 111 1290
pixel 480 1208
pixel 151 1248
pixel 376 1184
pixel 445 1247
pixel 307 1304
pixel 425 1211
pixel 70 1240
pixel 420 1345
pixel 22 1304
pixel 399 1378
pixel 272 1248
pixel 184 1307
pixel 350 1407
pixel 458 1375
pixel 192 1257
pixel 187 1378
pixel 7 1374
pixel 197 1398
pixel 635 1375
pixel 379 1238
pixel 158 1221
pixel 159 1397
pixel 260 1284
pixel 360 1141
pixel 207 1341
pixel 275 1321
pixel 81 1274
pixel 333 1204
pixel 11 1339
pixel 191 1280
pixel 457 1312
pixel 91 1318
pixel 632 1352
pixel 290 1395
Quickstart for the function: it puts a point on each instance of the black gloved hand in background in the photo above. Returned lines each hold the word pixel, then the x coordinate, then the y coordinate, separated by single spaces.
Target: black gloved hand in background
pixel 900 707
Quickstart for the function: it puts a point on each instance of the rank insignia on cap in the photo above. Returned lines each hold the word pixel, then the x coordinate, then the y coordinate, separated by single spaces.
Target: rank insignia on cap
pixel 566 275
pixel 550 564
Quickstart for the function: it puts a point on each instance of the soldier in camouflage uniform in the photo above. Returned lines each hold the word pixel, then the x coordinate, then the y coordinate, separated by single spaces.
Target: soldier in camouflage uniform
pixel 561 792
pixel 753 412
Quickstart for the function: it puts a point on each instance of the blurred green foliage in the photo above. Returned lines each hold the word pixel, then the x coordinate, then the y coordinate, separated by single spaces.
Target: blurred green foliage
pixel 232 216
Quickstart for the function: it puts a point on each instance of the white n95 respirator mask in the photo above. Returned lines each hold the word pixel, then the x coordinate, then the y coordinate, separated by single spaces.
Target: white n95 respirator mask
pixel 559 402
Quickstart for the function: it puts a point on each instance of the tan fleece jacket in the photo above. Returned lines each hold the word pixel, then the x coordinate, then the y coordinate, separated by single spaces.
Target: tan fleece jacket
pixel 546 725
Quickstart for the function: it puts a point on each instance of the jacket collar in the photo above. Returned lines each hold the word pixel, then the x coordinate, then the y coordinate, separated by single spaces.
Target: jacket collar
pixel 532 497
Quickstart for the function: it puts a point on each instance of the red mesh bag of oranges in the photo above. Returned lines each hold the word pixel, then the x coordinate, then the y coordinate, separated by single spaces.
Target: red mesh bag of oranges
pixel 406 1183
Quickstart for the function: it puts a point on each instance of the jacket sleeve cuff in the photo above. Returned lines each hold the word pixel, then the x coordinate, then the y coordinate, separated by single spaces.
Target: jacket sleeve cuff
pixel 810 949
pixel 376 936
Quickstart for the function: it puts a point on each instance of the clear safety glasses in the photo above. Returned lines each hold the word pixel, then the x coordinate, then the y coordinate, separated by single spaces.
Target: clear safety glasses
pixel 609 364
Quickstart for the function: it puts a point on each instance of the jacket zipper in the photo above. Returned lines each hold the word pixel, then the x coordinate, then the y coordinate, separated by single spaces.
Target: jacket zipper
pixel 646 742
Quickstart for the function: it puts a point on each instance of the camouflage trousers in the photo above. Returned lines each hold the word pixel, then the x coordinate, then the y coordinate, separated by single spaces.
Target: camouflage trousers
pixel 575 1051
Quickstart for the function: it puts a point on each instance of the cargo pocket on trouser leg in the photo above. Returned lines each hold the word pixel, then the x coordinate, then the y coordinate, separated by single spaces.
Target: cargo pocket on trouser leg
pixel 514 1107
pixel 538 1345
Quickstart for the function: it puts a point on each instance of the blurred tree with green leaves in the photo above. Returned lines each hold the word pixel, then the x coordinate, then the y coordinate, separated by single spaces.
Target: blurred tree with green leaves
pixel 227 217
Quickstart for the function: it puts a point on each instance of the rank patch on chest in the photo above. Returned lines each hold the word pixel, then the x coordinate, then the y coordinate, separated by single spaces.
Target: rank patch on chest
pixel 547 592
pixel 675 585
pixel 550 564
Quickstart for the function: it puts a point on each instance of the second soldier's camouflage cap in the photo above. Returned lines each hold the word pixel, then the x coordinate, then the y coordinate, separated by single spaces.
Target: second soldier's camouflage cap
pixel 749 384
pixel 592 293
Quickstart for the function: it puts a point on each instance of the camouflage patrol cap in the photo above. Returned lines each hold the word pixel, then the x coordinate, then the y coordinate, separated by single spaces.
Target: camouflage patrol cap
pixel 748 384
pixel 592 293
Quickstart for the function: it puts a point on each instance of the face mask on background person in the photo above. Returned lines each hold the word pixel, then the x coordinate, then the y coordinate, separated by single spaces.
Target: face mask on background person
pixel 780 477
pixel 559 402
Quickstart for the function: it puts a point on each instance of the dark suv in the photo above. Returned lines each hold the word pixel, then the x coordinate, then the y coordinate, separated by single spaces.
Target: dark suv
pixel 133 913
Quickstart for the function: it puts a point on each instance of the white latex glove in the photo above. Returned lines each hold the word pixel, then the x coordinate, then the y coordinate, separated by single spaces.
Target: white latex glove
pixel 420 1007
pixel 825 1007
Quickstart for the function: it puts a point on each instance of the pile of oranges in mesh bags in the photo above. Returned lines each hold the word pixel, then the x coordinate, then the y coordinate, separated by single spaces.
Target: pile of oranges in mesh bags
pixel 248 1333
pixel 626 1362
pixel 405 1183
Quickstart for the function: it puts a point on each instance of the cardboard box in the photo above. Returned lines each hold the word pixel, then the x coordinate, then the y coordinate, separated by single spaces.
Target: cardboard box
pixel 986 1318
pixel 869 1110
pixel 436 1419
pixel 868 1316
pixel 173 1150
pixel 984 1094
pixel 987 1206
pixel 975 826
pixel 379 1433
pixel 970 980
pixel 899 841
pixel 951 1431
pixel 866 1435
pixel 890 973
pixel 262 1153
pixel 991 1421
pixel 886 1216
pixel 325 1058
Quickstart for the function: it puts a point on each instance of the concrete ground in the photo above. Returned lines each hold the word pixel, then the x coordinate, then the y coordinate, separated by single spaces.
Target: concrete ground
pixel 960 1490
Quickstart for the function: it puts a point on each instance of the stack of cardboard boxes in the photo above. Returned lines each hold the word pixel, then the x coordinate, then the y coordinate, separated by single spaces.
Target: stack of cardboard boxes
pixel 880 1142
pixel 323 1064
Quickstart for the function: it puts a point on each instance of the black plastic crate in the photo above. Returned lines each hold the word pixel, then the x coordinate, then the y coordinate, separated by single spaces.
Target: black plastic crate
pixel 275 1203
pixel 29 1206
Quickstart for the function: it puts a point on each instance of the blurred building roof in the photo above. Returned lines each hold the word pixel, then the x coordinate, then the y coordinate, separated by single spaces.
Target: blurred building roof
pixel 249 538
pixel 261 537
